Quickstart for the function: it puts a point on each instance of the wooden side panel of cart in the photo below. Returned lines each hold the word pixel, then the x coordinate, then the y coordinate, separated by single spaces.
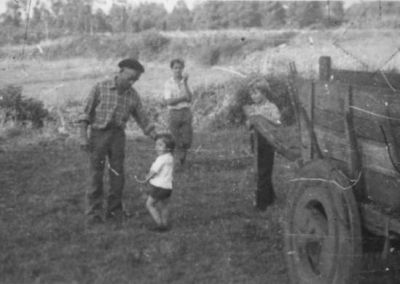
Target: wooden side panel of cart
pixel 348 124
pixel 375 117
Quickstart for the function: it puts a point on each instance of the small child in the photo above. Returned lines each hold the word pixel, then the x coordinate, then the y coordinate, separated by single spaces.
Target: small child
pixel 262 106
pixel 160 179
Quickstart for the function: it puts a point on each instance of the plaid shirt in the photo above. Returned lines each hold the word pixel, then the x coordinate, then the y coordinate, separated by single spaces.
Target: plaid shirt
pixel 105 108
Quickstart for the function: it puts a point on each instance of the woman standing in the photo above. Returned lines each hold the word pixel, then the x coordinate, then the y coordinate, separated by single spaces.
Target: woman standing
pixel 178 98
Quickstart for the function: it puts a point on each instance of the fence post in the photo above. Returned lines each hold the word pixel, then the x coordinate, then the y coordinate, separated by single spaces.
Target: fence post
pixel 325 68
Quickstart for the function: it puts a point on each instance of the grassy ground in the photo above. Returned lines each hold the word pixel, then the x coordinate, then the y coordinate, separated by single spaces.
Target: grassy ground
pixel 217 236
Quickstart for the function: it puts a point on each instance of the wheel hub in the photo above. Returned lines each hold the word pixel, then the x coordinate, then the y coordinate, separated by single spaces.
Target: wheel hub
pixel 313 231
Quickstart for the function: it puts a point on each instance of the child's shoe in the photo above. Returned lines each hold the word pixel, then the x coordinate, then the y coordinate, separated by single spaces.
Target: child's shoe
pixel 94 221
pixel 159 228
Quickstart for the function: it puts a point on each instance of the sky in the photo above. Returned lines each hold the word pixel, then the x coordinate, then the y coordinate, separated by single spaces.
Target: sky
pixel 169 4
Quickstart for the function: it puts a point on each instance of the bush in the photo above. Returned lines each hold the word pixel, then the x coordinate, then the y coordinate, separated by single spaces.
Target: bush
pixel 224 48
pixel 220 105
pixel 34 111
pixel 208 55
pixel 18 109
pixel 207 98
pixel 153 41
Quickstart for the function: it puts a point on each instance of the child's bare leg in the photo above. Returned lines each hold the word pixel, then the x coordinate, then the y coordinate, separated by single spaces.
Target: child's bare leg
pixel 151 207
pixel 164 211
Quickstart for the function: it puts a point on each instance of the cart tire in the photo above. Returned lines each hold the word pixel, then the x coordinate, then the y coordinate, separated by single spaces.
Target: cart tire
pixel 322 227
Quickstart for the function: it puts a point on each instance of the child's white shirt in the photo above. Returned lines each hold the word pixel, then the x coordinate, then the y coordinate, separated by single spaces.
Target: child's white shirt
pixel 173 90
pixel 163 166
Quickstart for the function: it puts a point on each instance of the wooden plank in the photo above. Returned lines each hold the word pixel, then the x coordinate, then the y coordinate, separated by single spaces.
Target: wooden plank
pixel 325 68
pixel 355 156
pixel 330 96
pixel 374 220
pixel 301 90
pixel 367 101
pixel 365 127
pixel 311 122
pixel 374 154
pixel 309 145
pixel 375 157
pixel 329 119
pixel 382 181
pixel 333 145
pixel 368 107
pixel 303 87
pixel 382 188
pixel 364 78
pixel 376 105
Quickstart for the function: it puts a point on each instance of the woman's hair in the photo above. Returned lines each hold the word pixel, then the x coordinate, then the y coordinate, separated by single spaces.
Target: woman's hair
pixel 168 141
pixel 175 61
pixel 261 85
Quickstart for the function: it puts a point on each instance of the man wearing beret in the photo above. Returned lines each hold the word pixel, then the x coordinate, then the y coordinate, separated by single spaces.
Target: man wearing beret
pixel 108 107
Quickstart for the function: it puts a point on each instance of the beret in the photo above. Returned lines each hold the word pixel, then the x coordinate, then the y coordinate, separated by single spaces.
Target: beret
pixel 132 64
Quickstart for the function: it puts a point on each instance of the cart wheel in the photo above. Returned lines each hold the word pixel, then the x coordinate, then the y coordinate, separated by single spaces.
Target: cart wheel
pixel 322 229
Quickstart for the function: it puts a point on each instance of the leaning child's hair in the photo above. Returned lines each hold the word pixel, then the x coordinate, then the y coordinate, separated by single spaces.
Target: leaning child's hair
pixel 168 141
pixel 177 61
pixel 262 86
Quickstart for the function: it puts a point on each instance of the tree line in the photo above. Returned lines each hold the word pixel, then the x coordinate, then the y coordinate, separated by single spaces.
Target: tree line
pixel 64 17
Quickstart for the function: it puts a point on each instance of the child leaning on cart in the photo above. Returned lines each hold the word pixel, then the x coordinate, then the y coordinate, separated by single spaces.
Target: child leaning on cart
pixel 261 105
pixel 160 179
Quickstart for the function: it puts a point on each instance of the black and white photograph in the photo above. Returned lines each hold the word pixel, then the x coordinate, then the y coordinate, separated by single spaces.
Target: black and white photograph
pixel 199 141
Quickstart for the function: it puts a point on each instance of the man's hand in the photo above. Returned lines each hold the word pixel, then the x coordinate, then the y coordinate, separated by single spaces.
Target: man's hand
pixel 142 181
pixel 84 143
pixel 83 138
pixel 185 77
pixel 249 126
pixel 163 103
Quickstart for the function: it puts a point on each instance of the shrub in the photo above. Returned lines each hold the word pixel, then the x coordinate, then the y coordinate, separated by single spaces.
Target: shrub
pixel 10 100
pixel 207 98
pixel 33 110
pixel 239 96
pixel 153 41
pixel 220 105
pixel 208 55
pixel 18 109
pixel 178 48
pixel 223 49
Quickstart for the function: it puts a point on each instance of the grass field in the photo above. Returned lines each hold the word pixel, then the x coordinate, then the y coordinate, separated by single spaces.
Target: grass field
pixel 59 82
pixel 217 237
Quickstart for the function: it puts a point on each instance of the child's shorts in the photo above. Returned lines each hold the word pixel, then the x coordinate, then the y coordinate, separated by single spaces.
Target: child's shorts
pixel 159 193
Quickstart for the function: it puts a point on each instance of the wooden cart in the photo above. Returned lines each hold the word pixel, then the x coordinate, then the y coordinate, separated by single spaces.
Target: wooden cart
pixel 348 127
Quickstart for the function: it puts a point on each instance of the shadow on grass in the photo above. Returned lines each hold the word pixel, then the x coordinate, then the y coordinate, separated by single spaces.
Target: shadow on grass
pixel 216 235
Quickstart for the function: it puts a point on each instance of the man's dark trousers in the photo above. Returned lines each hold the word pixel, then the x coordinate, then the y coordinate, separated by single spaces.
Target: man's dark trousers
pixel 108 143
pixel 265 194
